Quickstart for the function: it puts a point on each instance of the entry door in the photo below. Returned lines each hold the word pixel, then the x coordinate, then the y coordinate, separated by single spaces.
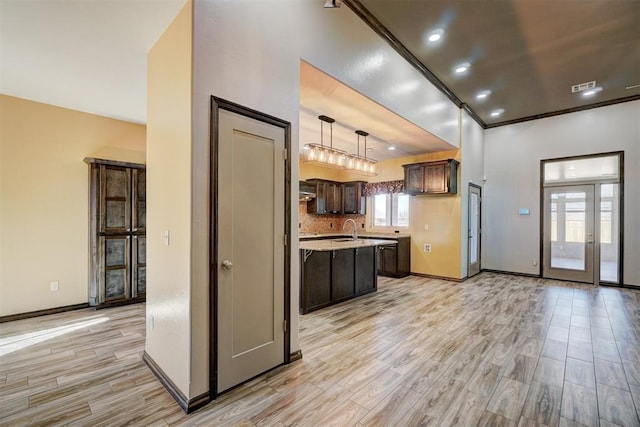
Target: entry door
pixel 474 230
pixel 568 238
pixel 250 248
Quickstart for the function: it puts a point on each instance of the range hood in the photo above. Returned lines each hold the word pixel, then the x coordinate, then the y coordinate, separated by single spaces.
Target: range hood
pixel 307 191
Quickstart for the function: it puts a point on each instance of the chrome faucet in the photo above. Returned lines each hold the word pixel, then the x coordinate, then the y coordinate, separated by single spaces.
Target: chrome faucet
pixel 355 228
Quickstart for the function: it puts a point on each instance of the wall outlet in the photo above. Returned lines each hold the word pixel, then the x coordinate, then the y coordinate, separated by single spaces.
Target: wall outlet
pixel 166 237
pixel 426 227
pixel 54 286
pixel 427 248
pixel 151 323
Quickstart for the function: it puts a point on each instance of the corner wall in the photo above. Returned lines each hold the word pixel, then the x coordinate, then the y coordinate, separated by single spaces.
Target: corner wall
pixel 169 75
pixel 44 203
pixel 249 53
pixel 472 145
pixel 512 166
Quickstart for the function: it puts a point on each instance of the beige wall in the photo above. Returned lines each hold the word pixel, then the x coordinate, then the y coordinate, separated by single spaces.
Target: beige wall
pixel 44 198
pixel 169 203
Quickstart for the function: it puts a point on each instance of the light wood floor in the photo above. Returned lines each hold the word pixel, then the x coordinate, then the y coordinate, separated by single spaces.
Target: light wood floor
pixel 494 350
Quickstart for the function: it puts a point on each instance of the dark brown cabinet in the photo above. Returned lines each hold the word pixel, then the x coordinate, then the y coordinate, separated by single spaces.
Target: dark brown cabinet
pixel 353 200
pixel 394 260
pixel 117 239
pixel 328 198
pixel 330 277
pixel 342 278
pixel 315 277
pixel 336 197
pixel 366 278
pixel 438 177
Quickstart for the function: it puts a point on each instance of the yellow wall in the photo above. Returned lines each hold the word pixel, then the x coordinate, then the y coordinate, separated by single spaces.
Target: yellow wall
pixel 169 202
pixel 44 198
pixel 440 213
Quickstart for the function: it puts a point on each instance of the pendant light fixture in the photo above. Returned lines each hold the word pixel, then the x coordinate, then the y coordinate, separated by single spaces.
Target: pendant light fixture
pixel 324 156
pixel 361 164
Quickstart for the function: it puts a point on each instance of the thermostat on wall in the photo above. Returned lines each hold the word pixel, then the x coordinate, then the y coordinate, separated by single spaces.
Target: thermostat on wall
pixel 523 211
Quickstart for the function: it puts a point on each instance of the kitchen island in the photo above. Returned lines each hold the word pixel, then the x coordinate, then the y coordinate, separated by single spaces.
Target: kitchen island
pixel 335 270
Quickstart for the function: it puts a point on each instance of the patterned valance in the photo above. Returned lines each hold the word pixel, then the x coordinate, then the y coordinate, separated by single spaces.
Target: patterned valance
pixel 387 187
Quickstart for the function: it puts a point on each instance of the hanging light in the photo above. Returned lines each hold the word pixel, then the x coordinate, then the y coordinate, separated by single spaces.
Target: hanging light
pixel 361 164
pixel 324 156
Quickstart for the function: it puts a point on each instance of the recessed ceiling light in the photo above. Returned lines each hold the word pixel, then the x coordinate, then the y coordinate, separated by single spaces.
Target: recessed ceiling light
pixel 496 113
pixel 435 35
pixel 462 68
pixel 391 148
pixel 483 95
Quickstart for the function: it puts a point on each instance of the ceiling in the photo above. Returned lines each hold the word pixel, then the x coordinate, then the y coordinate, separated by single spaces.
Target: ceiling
pixel 528 54
pixel 389 134
pixel 84 55
pixel 91 56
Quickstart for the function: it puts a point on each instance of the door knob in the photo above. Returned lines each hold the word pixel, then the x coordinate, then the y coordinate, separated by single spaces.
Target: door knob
pixel 227 265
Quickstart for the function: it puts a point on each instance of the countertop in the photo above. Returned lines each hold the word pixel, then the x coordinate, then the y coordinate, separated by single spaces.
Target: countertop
pixel 337 244
pixel 307 236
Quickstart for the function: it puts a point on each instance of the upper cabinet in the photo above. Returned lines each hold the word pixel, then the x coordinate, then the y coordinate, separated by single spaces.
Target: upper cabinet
pixel 337 198
pixel 438 177
pixel 334 198
pixel 353 200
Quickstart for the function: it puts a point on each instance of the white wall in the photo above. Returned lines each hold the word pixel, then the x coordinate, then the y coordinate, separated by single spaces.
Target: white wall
pixel 249 52
pixel 512 166
pixel 472 144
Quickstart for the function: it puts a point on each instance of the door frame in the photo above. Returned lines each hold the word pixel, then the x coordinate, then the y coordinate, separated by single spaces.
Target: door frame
pixel 216 105
pixel 620 183
pixel 471 184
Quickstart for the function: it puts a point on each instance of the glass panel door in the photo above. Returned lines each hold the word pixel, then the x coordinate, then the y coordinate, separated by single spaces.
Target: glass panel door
pixel 568 240
pixel 474 231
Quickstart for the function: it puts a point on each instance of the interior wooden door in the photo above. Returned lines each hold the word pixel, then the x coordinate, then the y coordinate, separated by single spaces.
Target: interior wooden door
pixel 250 248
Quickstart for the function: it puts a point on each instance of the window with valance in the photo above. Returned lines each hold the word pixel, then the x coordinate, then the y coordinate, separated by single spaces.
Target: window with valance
pixel 389 205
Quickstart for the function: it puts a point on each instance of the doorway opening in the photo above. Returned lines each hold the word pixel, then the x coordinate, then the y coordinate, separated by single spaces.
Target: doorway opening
pixel 582 218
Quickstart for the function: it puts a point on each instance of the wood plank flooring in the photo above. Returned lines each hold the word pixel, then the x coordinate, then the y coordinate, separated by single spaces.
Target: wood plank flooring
pixel 495 350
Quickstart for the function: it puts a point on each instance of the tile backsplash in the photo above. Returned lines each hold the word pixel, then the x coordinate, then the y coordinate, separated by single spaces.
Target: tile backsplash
pixel 310 223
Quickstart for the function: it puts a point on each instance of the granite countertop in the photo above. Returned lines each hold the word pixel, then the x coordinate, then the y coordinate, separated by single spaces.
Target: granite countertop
pixel 336 244
pixel 306 236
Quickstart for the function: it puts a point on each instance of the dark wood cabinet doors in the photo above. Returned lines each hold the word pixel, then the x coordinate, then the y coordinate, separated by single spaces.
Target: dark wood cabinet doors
pixel 431 177
pixel 337 197
pixel 117 239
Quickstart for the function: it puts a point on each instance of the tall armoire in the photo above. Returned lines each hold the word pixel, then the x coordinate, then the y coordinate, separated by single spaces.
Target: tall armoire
pixel 117 236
